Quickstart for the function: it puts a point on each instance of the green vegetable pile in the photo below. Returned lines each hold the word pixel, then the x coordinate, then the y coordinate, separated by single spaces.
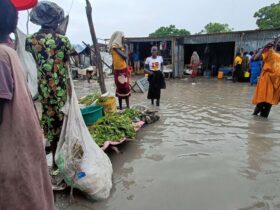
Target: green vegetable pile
pixel 89 99
pixel 132 113
pixel 114 127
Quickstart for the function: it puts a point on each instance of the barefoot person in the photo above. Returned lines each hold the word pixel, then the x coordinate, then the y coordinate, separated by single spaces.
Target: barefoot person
pixel 195 62
pixel 154 68
pixel 121 73
pixel 51 53
pixel 24 178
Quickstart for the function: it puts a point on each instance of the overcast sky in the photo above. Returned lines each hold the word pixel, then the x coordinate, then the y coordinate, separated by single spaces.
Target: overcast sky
pixel 141 17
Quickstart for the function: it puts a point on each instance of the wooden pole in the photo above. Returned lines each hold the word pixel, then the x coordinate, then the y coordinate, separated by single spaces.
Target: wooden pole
pixel 99 65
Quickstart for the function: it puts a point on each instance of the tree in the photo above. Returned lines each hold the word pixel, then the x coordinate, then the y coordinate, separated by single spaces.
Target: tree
pixel 268 17
pixel 216 28
pixel 169 31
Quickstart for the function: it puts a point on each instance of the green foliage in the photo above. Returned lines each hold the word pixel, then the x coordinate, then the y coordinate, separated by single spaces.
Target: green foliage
pixel 268 17
pixel 169 31
pixel 216 28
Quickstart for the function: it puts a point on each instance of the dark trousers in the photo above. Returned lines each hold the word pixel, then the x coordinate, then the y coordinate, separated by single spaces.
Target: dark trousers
pixel 236 74
pixel 262 108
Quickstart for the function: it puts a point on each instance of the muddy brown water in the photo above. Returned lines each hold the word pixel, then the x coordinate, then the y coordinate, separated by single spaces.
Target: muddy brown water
pixel 207 152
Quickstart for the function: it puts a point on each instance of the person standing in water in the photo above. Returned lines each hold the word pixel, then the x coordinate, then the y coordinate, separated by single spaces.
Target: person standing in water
pixel 154 69
pixel 237 67
pixel 24 178
pixel 195 62
pixel 267 92
pixel 255 69
pixel 121 73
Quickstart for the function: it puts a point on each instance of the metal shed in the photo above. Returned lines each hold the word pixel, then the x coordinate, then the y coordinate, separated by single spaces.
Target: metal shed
pixel 223 45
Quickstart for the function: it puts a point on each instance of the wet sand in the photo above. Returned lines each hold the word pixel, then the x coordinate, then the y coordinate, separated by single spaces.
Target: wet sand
pixel 207 152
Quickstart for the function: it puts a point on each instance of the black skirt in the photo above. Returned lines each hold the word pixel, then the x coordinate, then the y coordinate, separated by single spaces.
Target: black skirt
pixel 156 83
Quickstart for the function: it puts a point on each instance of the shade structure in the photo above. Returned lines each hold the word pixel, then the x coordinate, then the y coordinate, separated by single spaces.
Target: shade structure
pixel 24 4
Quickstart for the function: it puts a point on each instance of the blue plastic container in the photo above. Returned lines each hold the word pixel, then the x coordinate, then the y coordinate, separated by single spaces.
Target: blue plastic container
pixel 91 114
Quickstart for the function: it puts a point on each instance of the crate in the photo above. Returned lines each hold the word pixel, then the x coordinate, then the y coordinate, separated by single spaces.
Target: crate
pixel 91 114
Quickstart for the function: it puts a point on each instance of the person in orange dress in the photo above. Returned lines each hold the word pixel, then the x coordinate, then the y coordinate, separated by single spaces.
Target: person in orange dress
pixel 268 88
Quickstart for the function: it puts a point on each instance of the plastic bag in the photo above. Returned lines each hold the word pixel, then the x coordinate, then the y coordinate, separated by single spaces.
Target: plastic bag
pixel 80 160
pixel 28 62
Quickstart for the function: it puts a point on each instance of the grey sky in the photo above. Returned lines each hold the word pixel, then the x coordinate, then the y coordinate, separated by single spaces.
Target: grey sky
pixel 141 17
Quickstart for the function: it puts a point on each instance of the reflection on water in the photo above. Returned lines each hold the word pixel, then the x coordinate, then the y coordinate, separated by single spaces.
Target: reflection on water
pixel 206 152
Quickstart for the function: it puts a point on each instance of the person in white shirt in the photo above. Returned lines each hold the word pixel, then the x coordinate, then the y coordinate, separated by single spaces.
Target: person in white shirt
pixel 154 67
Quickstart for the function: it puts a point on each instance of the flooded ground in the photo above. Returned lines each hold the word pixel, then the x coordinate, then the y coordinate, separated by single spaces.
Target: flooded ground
pixel 206 153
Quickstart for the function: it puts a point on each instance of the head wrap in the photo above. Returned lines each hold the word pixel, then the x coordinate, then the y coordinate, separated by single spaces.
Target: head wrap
pixel 195 58
pixel 47 14
pixel 116 40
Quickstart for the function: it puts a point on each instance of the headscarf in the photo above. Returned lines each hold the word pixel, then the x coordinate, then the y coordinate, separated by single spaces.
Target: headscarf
pixel 195 58
pixel 116 40
pixel 47 14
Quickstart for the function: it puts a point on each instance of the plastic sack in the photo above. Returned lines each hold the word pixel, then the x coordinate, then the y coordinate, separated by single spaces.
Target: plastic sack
pixel 80 160
pixel 28 62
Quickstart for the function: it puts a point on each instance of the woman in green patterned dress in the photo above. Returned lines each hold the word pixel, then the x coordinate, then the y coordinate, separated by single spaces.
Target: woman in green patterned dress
pixel 51 53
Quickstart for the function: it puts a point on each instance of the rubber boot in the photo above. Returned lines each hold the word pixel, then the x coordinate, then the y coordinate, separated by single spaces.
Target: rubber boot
pixel 152 101
pixel 266 110
pixel 257 110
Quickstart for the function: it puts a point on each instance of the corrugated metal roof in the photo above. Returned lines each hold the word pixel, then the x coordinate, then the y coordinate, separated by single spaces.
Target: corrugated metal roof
pixel 232 37
pixel 216 37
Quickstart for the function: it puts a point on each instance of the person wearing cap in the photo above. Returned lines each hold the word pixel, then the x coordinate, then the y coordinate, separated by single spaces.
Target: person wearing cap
pixel 51 53
pixel 24 178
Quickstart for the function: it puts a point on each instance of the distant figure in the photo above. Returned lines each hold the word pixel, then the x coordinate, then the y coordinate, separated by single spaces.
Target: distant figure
pixel 136 61
pixel 154 67
pixel 25 181
pixel 255 69
pixel 237 67
pixel 244 65
pixel 51 54
pixel 195 62
pixel 121 73
pixel 268 89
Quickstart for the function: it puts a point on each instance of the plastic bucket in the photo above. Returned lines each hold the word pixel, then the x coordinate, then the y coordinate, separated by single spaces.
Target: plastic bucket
pixel 220 75
pixel 246 74
pixel 91 114
pixel 109 105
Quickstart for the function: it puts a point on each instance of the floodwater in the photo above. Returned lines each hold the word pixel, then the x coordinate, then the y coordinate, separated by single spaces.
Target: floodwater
pixel 207 152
